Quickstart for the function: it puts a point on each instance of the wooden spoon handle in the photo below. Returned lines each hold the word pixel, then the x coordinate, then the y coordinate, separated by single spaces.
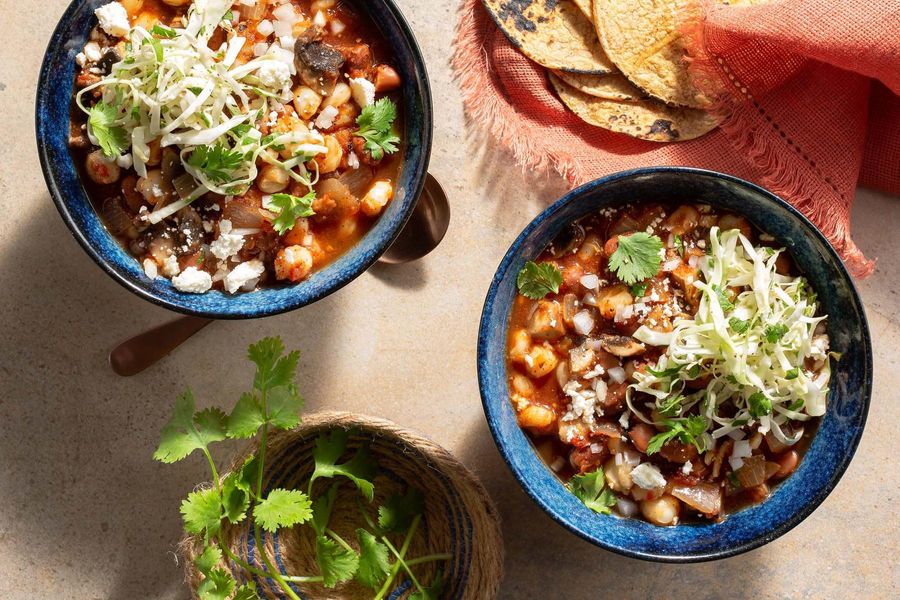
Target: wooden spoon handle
pixel 139 352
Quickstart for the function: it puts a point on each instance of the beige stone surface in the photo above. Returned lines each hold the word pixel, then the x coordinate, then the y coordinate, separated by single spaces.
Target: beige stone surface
pixel 86 514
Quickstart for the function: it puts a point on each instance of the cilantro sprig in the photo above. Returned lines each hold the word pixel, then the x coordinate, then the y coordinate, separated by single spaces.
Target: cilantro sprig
pixel 290 208
pixel 688 431
pixel 375 124
pixel 102 122
pixel 636 257
pixel 241 496
pixel 537 280
pixel 217 162
pixel 591 489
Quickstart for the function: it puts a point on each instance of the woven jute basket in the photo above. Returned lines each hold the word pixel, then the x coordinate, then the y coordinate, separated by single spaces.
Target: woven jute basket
pixel 459 517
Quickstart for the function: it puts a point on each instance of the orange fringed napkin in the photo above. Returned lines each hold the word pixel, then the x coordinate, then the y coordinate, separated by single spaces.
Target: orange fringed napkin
pixel 809 89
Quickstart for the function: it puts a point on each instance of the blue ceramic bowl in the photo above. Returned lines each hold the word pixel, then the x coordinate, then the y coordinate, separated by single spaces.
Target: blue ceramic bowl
pixel 54 96
pixel 848 402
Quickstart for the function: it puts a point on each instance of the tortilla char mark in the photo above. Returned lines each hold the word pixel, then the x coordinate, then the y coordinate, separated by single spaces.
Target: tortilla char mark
pixel 664 127
pixel 518 11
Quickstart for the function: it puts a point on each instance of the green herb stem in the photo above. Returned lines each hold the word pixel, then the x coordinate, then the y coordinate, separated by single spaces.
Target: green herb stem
pixel 402 562
pixel 396 567
pixel 339 540
pixel 427 559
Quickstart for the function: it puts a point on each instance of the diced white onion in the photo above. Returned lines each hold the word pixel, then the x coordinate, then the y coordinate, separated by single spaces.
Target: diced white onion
pixel 693 261
pixel 617 374
pixel 626 507
pixel 596 448
pixel 590 281
pixel 741 449
pixel 265 28
pixel 583 322
pixel 671 265
pixel 286 13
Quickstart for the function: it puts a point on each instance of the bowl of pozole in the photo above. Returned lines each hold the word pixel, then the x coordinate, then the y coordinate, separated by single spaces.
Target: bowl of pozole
pixel 234 159
pixel 675 364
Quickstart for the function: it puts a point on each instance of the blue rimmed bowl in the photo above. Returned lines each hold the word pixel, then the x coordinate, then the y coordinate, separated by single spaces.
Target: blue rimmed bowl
pixel 54 97
pixel 848 402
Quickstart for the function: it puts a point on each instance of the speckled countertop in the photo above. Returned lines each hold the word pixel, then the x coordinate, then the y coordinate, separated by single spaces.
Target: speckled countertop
pixel 86 514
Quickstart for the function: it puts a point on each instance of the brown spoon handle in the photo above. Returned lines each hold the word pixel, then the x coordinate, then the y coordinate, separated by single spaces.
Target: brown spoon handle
pixel 139 352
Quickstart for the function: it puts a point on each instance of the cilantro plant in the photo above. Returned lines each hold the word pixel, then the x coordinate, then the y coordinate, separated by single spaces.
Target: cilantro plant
pixel 636 257
pixel 380 555
pixel 537 280
pixel 376 123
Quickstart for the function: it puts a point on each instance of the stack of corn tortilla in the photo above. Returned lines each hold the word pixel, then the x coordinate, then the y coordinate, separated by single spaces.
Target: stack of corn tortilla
pixel 617 64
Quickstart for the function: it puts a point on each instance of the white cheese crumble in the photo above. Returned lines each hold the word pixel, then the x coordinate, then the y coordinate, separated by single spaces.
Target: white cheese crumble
pixel 227 244
pixel 192 281
pixel 170 268
pixel 81 59
pixel 648 477
pixel 326 118
pixel 243 274
pixel 687 468
pixel 113 19
pixel 363 91
pixel 92 52
pixel 150 269
pixel 353 160
pixel 274 74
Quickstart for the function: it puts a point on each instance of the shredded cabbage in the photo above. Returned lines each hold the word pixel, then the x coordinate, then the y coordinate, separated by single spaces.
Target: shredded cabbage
pixel 751 348
pixel 174 88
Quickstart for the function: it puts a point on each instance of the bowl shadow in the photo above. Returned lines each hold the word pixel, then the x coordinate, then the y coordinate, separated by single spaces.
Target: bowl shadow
pixel 77 440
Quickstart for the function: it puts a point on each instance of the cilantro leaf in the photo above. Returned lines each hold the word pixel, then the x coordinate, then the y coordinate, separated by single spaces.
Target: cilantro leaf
pixel 774 333
pixel 202 511
pixel 360 469
pixel 590 489
pixel 186 431
pixel 792 374
pixel 375 123
pixel 112 138
pixel 272 369
pixel 738 325
pixel 246 592
pixel 433 591
pixel 283 508
pixel 670 406
pixel 336 564
pixel 322 507
pixel 373 560
pixel 208 559
pixel 670 372
pixel 217 585
pixel 658 440
pixel 397 513
pixel 163 31
pixel 723 299
pixel 290 208
pixel 688 431
pixel 217 162
pixel 537 280
pixel 246 418
pixel 285 405
pixel 639 289
pixel 637 257
pixel 235 499
pixel 759 405
pixel 679 244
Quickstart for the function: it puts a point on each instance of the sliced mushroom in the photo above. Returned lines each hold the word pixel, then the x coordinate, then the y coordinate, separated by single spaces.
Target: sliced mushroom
pixel 318 63
pixel 621 345
pixel 568 241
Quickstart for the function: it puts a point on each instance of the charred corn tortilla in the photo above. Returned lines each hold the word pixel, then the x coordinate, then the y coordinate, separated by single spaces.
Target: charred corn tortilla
pixel 553 33
pixel 611 87
pixel 641 38
pixel 644 119
pixel 586 8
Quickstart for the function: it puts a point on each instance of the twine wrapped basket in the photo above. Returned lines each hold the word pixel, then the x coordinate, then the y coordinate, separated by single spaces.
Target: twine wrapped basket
pixel 459 517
